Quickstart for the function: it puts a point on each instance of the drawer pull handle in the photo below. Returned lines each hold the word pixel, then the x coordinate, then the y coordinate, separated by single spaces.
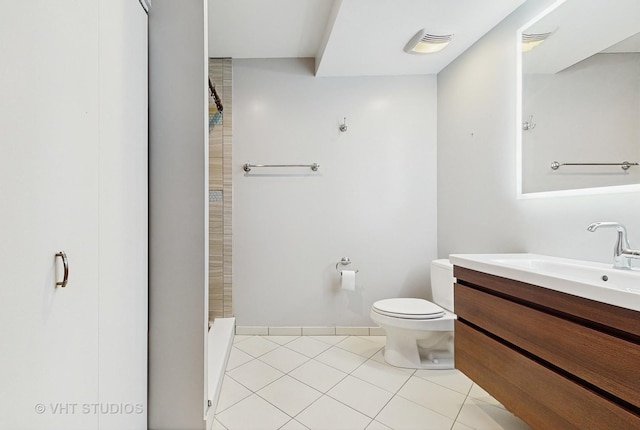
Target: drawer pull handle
pixel 65 264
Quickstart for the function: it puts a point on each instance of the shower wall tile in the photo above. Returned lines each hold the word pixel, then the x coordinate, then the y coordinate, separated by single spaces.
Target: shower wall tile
pixel 216 179
pixel 215 307
pixel 220 227
pixel 215 196
pixel 227 142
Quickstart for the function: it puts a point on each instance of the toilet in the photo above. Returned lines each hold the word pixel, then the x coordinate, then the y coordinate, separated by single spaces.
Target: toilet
pixel 420 332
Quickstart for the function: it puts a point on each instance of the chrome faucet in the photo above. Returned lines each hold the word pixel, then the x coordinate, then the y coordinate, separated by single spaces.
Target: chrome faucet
pixel 622 252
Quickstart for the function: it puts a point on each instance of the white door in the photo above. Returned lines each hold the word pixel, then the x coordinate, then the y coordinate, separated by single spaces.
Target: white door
pixel 50 174
pixel 123 215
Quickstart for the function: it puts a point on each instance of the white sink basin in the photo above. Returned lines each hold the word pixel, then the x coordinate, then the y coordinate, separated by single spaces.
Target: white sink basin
pixel 595 281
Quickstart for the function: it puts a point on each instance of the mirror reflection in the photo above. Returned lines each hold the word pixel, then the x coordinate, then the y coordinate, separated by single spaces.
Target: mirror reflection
pixel 581 97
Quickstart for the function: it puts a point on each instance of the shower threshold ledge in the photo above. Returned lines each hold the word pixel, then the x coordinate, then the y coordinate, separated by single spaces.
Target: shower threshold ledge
pixel 220 341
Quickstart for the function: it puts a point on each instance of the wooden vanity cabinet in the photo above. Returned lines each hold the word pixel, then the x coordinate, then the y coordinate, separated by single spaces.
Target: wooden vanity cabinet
pixel 555 360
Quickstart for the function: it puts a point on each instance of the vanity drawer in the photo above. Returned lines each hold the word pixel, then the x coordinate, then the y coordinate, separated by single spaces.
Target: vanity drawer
pixel 616 320
pixel 540 396
pixel 600 359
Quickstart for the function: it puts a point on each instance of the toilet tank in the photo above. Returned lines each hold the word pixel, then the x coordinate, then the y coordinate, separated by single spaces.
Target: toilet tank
pixel 442 283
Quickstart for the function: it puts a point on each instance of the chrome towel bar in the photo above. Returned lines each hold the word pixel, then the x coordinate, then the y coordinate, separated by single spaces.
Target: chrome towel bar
pixel 624 165
pixel 247 167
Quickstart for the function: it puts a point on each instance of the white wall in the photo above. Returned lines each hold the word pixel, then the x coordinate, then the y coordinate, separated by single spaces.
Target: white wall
pixel 477 206
pixel 373 199
pixel 178 205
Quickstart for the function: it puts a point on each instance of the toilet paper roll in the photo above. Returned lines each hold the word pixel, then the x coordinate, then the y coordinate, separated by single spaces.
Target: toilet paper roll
pixel 348 281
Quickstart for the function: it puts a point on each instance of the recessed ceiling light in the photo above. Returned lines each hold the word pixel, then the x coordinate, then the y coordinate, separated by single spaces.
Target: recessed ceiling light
pixel 427 43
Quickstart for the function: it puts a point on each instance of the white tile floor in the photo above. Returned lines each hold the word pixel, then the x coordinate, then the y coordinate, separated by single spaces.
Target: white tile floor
pixel 342 382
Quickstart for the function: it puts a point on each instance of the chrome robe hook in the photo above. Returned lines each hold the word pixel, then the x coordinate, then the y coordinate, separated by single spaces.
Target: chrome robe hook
pixel 343 126
pixel 528 125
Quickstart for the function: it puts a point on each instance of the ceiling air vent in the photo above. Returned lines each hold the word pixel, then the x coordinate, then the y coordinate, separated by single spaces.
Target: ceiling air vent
pixel 427 43
pixel 531 40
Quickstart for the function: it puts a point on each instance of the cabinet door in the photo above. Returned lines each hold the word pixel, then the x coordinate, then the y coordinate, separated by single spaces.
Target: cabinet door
pixel 49 177
pixel 123 214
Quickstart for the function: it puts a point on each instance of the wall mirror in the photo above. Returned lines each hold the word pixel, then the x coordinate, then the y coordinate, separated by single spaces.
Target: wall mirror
pixel 579 116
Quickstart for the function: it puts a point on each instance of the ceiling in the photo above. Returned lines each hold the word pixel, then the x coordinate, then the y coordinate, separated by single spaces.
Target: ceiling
pixel 350 37
pixel 582 28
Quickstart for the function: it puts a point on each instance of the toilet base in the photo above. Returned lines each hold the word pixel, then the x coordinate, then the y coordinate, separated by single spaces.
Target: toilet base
pixel 441 360
pixel 437 363
pixel 426 351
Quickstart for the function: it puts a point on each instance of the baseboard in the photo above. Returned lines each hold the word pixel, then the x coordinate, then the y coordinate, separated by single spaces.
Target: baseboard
pixel 309 331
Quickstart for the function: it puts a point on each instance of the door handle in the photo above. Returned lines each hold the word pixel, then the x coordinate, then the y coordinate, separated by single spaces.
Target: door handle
pixel 65 264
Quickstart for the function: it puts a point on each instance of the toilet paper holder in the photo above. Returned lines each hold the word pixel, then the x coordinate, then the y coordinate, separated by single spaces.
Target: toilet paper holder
pixel 345 261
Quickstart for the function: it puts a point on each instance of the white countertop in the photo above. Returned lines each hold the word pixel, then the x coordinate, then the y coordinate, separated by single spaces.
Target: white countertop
pixel 579 278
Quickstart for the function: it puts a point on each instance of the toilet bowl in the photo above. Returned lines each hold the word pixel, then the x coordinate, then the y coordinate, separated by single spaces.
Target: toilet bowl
pixel 420 332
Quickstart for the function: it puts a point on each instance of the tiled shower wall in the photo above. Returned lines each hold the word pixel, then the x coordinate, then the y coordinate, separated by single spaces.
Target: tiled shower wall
pixel 220 137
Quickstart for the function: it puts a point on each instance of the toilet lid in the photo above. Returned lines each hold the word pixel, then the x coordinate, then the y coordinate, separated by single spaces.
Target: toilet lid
pixel 408 309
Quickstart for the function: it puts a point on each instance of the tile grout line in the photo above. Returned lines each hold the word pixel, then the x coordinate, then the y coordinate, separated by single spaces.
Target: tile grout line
pixel 432 410
pixel 463 403
pixel 275 406
pixel 397 394
pixel 394 395
pixel 288 374
pixel 370 383
pixel 267 364
pixel 323 394
pixel 292 419
pixel 367 382
pixel 266 400
pixel 342 379
pixel 216 412
pixel 253 358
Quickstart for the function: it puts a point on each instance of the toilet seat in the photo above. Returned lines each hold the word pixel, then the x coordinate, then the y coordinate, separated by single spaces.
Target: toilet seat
pixel 415 309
